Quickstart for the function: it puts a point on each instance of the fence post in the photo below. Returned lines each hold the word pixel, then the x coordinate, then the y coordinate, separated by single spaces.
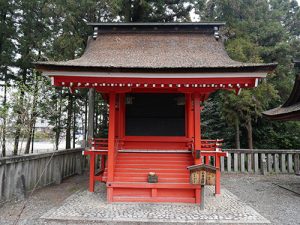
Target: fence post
pixel 242 162
pixel 236 162
pixel 229 162
pixel 283 163
pixel 263 164
pixel 276 163
pixel 256 162
pixel 222 163
pixel 270 162
pixel 290 163
pixel 249 164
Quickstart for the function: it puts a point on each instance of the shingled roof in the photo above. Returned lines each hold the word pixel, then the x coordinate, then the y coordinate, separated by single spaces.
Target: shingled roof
pixel 153 46
pixel 290 110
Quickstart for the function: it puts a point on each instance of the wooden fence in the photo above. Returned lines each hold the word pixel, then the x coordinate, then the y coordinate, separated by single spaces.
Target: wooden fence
pixel 261 161
pixel 19 174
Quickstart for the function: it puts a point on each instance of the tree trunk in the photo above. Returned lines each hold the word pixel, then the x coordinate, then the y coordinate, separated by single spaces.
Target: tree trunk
pixel 128 11
pixel 33 115
pixel 58 122
pixel 85 120
pixel 74 124
pixel 69 121
pixel 5 114
pixel 19 112
pixel 249 134
pixel 237 134
pixel 33 133
pixel 91 114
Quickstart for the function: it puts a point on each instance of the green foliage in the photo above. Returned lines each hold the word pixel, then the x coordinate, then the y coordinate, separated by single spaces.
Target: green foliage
pixel 243 50
pixel 258 31
pixel 152 10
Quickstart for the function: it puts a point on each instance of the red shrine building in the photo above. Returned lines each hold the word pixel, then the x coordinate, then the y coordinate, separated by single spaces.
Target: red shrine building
pixel 154 77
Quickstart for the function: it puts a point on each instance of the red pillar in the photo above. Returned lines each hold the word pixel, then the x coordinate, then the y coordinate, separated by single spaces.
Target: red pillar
pixel 121 129
pixel 207 160
pixel 197 123
pixel 218 176
pixel 111 137
pixel 92 172
pixel 111 145
pixel 117 112
pixel 190 116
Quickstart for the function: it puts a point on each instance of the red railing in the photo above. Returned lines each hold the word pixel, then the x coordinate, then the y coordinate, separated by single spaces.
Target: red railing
pixel 211 145
pixel 206 144
pixel 99 143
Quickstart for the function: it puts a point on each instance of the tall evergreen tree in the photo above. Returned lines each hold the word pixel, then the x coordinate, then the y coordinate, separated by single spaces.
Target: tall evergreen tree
pixel 257 31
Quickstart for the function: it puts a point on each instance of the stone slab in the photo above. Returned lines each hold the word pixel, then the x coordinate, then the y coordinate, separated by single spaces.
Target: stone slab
pixel 86 206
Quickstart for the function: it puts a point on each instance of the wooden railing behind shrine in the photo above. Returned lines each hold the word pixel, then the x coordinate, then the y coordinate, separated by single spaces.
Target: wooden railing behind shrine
pixel 261 161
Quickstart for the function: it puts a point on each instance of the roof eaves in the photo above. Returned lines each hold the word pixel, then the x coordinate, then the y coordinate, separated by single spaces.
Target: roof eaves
pixel 241 68
pixel 158 24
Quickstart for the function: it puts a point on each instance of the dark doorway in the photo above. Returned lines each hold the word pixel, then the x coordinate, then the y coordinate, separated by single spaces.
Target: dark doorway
pixel 155 115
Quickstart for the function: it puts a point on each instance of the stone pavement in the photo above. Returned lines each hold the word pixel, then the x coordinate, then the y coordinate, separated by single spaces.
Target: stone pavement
pixel 85 206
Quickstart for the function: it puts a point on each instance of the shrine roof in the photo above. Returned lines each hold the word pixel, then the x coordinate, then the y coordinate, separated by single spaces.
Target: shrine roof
pixel 290 110
pixel 155 47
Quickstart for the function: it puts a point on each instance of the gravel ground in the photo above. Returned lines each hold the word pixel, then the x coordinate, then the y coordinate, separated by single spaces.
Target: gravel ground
pixel 262 193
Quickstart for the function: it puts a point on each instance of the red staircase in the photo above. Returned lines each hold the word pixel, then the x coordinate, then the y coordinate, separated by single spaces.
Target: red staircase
pixel 131 174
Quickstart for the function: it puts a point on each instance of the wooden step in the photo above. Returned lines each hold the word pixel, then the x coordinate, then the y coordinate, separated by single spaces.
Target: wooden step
pixel 153 166
pixel 153 199
pixel 130 183
pixel 145 179
pixel 159 174
pixel 146 170
pixel 158 160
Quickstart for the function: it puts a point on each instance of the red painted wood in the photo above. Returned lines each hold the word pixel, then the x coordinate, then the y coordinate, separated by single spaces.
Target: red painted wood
pixel 154 199
pixel 156 138
pixel 218 176
pixel 123 80
pixel 157 185
pixel 198 195
pixel 197 125
pixel 207 161
pixel 121 116
pixel 92 172
pixel 147 170
pixel 191 124
pixel 186 115
pixel 154 192
pixel 156 142
pixel 111 137
pixel 160 174
pixel 131 176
